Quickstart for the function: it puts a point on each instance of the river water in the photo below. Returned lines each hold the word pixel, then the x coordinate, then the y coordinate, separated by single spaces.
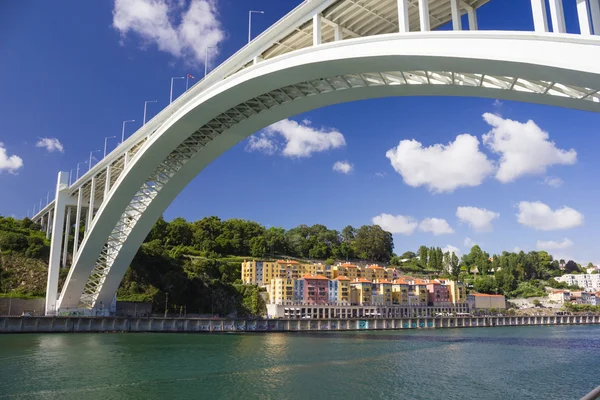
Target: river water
pixel 480 363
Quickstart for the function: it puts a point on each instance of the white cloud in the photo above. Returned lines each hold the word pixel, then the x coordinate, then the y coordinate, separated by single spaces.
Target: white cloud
pixel 479 219
pixel 525 148
pixel 540 216
pixel 396 223
pixel 262 143
pixel 185 34
pixel 552 245
pixel 469 242
pixel 9 163
pixel 441 168
pixel 553 181
pixel 343 167
pixel 299 139
pixel 380 174
pixel 437 226
pixel 50 144
pixel 452 249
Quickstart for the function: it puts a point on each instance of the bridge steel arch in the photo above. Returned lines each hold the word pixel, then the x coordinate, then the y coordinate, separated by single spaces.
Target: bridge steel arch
pixel 552 69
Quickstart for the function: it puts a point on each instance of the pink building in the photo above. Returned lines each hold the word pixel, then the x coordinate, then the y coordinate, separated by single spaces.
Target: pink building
pixel 439 295
pixel 316 290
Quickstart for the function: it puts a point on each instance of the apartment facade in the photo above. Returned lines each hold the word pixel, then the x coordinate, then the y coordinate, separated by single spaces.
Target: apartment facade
pixel 588 282
pixel 480 301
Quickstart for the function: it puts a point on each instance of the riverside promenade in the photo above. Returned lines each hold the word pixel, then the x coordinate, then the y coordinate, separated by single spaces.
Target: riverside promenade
pixel 109 324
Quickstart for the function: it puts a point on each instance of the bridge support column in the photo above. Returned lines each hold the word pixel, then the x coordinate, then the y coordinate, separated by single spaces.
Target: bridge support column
pixel 472 14
pixel 558 16
pixel 456 22
pixel 403 16
pixel 55 245
pixel 540 16
pixel 424 15
pixel 90 215
pixel 107 183
pixel 66 242
pixel 337 33
pixel 595 13
pixel 317 30
pixel 77 221
pixel 48 216
pixel 583 17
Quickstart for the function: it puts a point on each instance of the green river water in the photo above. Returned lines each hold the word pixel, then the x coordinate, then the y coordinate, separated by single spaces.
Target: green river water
pixel 480 363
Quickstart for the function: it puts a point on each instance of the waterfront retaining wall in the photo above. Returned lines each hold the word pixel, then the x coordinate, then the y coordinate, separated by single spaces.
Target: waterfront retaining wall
pixel 91 324
pixel 12 306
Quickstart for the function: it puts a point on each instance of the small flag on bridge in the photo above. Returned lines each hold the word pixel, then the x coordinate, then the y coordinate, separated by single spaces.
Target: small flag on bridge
pixel 189 76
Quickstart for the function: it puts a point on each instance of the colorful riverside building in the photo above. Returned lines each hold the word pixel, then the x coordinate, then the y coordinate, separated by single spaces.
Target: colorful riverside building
pixel 290 283
pixel 261 273
pixel 439 295
pixel 316 290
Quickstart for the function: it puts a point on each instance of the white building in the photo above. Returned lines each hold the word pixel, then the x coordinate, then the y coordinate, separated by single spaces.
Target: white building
pixel 589 282
pixel 560 296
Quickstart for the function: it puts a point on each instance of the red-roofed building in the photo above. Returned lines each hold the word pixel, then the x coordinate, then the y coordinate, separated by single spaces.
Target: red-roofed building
pixel 316 289
pixel 481 301
pixel 439 295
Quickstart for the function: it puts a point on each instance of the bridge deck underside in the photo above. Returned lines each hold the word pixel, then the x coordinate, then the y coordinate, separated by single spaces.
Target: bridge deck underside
pixel 223 122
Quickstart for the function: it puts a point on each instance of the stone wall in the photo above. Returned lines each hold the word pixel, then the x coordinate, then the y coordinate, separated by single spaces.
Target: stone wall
pixel 133 309
pixel 110 324
pixel 10 306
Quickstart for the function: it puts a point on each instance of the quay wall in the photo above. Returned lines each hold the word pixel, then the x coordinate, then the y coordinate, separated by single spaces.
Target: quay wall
pixel 112 324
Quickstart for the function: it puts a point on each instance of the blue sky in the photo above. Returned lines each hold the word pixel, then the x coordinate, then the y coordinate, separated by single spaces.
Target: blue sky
pixel 75 79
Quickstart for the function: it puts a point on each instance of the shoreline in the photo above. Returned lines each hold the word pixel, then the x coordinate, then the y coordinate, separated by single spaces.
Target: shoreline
pixel 223 325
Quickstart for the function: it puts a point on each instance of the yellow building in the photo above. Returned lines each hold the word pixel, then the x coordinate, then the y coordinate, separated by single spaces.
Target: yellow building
pixel 420 289
pixel 281 291
pixel 348 270
pixel 363 289
pixel 343 290
pixel 259 272
pixel 400 292
pixel 458 291
pixel 316 269
pixel 373 273
pixel 384 288
pixel 289 269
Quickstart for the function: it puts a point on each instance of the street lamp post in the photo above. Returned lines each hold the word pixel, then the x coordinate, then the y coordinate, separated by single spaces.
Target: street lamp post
pixel 105 142
pixel 71 177
pixel 206 60
pixel 172 79
pixel 123 130
pixel 92 152
pixel 250 22
pixel 145 104
pixel 83 162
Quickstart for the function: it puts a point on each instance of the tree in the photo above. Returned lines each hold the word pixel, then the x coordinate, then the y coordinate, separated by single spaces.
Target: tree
pixel 373 243
pixel 447 262
pixel 205 234
pixel 178 232
pixel 423 254
pixel 158 231
pixel 485 284
pixel 454 266
pixel 408 255
pixel 258 246
pixel 571 267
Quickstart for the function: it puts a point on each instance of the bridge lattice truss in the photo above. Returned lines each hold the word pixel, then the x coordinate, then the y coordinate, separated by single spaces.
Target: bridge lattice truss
pixel 313 23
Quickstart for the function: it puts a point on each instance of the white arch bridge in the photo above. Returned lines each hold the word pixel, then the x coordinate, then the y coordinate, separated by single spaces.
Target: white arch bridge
pixel 323 52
